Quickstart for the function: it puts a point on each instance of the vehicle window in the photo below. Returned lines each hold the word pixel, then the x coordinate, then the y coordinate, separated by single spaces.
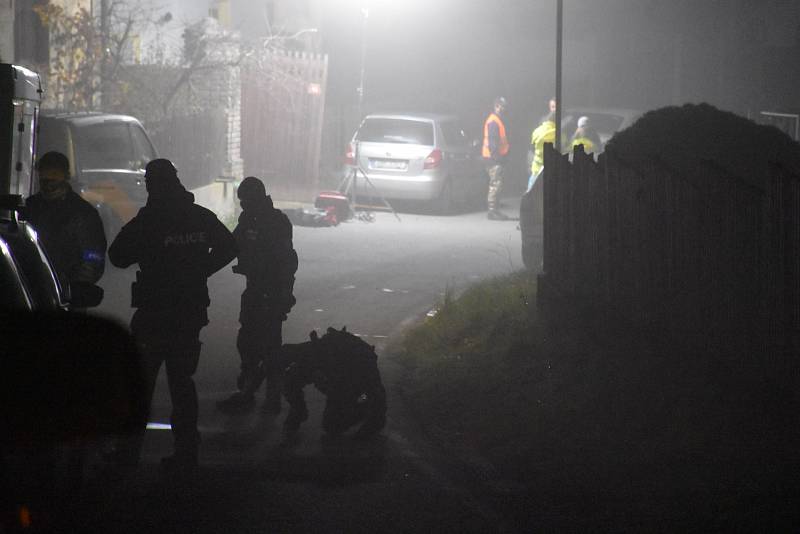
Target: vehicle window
pixel 142 149
pixel 454 134
pixel 104 146
pixel 396 131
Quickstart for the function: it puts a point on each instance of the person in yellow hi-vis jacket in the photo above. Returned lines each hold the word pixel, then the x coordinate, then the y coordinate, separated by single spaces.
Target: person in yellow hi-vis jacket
pixel 544 133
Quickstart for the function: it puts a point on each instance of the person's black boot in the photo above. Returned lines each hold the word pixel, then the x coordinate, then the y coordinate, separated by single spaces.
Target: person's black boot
pixel 293 420
pixel 272 398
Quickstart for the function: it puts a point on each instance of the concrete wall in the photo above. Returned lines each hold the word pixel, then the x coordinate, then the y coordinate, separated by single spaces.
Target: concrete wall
pixel 219 198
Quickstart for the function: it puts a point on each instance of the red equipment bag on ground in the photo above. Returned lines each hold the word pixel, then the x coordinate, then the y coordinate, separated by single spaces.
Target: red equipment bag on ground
pixel 334 203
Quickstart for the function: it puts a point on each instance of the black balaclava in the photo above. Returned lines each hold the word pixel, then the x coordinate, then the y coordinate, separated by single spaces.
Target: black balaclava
pixel 53 189
pixel 161 180
pixel 252 193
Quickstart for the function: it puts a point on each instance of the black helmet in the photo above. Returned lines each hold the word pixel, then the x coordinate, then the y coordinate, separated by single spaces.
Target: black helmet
pixel 160 175
pixel 252 188
pixel 160 168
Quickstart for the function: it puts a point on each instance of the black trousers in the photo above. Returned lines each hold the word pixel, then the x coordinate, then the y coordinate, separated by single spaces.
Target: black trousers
pixel 259 341
pixel 173 338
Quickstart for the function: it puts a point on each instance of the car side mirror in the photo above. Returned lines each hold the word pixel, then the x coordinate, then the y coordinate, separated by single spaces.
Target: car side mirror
pixel 83 295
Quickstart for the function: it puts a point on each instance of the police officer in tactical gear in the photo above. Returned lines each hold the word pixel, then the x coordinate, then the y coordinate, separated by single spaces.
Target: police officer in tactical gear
pixel 345 369
pixel 69 227
pixel 268 261
pixel 177 245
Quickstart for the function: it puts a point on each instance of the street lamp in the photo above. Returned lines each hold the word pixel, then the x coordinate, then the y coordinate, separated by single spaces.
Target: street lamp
pixel 360 90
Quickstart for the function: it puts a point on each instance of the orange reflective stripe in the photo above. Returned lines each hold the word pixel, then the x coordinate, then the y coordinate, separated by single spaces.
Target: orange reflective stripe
pixel 485 152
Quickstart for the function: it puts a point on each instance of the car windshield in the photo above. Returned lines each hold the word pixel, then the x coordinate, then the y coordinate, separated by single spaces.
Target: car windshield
pixel 404 131
pixel 107 145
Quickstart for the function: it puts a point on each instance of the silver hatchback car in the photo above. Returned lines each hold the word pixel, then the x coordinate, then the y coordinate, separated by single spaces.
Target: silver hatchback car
pixel 419 157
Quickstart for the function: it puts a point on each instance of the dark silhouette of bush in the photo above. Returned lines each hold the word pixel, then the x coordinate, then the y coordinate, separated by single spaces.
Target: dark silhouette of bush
pixel 695 136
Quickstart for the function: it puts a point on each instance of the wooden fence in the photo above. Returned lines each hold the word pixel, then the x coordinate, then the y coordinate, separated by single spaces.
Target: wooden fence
pixel 710 255
pixel 283 100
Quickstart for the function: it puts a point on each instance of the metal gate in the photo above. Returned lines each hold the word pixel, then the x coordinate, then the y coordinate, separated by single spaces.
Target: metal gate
pixel 283 102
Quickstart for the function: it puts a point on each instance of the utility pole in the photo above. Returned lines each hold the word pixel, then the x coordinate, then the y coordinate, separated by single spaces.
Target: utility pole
pixel 559 49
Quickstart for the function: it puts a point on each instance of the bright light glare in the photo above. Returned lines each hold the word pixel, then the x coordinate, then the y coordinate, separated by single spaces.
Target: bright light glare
pixel 159 426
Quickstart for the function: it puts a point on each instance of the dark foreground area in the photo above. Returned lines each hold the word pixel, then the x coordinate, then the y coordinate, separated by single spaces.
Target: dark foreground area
pixel 59 419
pixel 580 424
pixel 531 426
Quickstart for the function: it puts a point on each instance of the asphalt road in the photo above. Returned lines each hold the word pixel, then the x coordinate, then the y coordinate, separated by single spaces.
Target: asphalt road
pixel 376 279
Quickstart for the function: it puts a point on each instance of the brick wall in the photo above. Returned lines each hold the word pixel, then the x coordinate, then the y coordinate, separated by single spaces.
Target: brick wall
pixel 197 125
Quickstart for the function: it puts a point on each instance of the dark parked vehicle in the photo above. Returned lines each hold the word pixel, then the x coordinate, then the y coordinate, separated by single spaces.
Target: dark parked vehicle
pixel 14 293
pixel 27 274
pixel 27 278
pixel 108 154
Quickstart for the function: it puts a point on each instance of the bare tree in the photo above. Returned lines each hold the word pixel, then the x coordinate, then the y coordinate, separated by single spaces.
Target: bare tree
pixel 88 52
pixel 206 48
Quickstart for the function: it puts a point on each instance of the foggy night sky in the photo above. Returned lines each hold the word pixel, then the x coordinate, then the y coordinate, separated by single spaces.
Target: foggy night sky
pixel 457 55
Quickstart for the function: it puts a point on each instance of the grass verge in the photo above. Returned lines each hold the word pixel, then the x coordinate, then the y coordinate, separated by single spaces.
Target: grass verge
pixel 613 420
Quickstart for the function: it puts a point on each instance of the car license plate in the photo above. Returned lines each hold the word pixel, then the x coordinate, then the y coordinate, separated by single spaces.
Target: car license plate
pixel 389 164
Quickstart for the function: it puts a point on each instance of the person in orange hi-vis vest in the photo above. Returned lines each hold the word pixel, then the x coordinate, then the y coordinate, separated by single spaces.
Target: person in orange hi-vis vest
pixel 494 152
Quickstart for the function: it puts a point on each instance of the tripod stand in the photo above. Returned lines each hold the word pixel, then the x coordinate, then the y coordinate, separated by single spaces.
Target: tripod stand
pixel 349 188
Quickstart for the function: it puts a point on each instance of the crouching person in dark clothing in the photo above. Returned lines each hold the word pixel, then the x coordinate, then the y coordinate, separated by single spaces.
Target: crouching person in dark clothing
pixel 177 245
pixel 268 261
pixel 345 369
